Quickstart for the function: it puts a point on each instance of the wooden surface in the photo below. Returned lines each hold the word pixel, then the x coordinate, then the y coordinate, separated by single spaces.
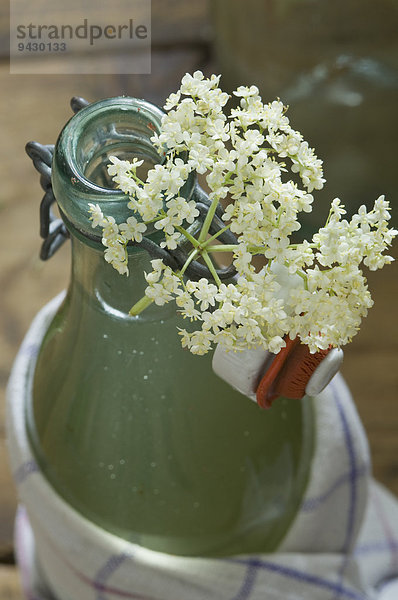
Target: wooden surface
pixel 10 587
pixel 35 108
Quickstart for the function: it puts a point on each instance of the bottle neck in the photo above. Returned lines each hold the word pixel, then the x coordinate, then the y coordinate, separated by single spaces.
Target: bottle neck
pixel 121 127
pixel 99 285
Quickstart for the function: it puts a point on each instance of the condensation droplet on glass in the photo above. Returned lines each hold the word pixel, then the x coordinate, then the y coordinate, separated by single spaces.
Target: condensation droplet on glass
pixel 169 457
pixel 105 368
pixel 156 492
pixel 150 371
pixel 105 336
pixel 134 351
pixel 196 504
pixel 122 461
pixel 101 464
pixel 153 464
pixel 152 339
pixel 246 433
pixel 134 488
pixel 163 397
pixel 110 467
pixel 141 353
pixel 119 352
pixel 113 476
pixel 145 377
pixel 284 415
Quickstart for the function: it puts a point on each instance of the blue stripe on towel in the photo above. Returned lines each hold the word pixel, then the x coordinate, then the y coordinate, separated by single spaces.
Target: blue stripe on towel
pixel 24 470
pixel 248 581
pixel 377 548
pixel 106 571
pixel 313 503
pixel 351 516
pixel 353 469
pixel 291 573
pixel 391 540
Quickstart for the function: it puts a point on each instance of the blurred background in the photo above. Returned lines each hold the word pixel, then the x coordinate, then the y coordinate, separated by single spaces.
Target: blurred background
pixel 335 63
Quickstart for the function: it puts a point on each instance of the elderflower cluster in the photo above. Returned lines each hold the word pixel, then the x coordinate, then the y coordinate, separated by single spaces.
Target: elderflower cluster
pixel 314 290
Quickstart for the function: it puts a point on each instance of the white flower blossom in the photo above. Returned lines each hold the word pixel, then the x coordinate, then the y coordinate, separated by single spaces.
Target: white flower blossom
pixel 96 215
pixel 204 292
pixel 314 289
pixel 172 100
pixel 117 256
pixel 163 284
pixel 200 342
pixel 133 229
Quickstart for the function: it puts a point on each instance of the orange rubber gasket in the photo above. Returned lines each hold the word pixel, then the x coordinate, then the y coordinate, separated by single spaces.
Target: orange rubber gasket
pixel 295 374
pixel 265 393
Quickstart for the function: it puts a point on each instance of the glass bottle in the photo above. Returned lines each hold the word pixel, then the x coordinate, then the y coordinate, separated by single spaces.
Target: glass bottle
pixel 134 432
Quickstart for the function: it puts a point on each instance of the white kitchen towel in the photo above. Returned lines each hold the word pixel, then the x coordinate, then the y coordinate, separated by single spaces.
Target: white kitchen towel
pixel 343 543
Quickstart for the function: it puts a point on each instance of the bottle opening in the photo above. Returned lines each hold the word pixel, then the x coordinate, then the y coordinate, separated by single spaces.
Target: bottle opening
pixel 116 133
pixel 121 127
pixel 97 168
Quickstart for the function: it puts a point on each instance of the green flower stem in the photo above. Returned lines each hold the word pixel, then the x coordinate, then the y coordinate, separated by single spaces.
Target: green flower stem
pixel 302 274
pixel 221 248
pixel 195 243
pixel 232 247
pixel 208 220
pixel 212 269
pixel 256 249
pixel 329 216
pixel 153 220
pixel 136 178
pixel 190 258
pixel 228 177
pixel 304 278
pixel 215 236
pixel 140 306
pixel 297 245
